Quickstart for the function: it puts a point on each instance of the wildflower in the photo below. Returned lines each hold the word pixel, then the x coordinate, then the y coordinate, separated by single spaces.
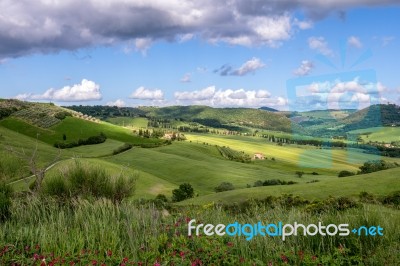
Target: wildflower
pixel 182 254
pixel 125 260
pixel 37 247
pixel 94 262
pixel 230 244
pixel 314 258
pixel 156 264
pixel 109 253
pixel 241 260
pixel 36 256
pixel 284 258
pixel 188 220
pixel 270 263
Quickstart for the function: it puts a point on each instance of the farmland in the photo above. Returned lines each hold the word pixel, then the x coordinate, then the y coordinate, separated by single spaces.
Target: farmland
pixel 205 161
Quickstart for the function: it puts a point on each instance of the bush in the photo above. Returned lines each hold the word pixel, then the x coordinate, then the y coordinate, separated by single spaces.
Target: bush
pixel 272 182
pixel 89 181
pixel 299 174
pixel 123 148
pixel 5 201
pixel 185 191
pixel 62 115
pixel 224 186
pixel 258 183
pixel 392 199
pixel 345 173
pixel 374 166
pixel 89 141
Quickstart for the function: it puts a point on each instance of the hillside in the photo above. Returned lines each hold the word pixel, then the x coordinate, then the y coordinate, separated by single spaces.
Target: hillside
pixel 51 124
pixel 373 116
pixel 207 116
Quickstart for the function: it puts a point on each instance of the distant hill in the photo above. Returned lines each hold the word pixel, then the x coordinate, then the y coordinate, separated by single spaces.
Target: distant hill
pixel 373 116
pixel 205 115
pixel 266 108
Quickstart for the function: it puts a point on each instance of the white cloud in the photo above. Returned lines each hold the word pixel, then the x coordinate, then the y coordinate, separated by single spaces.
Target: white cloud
pixel 320 45
pixel 118 103
pixel 85 91
pixel 53 26
pixel 335 95
pixel 249 67
pixel 303 25
pixel 354 42
pixel 186 78
pixel 142 93
pixel 263 94
pixel 223 98
pixel 304 69
pixel 142 44
pixel 204 94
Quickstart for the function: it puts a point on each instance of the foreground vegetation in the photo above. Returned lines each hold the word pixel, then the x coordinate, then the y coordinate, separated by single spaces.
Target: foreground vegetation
pixel 95 232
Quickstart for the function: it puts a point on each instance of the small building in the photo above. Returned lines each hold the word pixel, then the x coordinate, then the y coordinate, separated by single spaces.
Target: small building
pixel 258 156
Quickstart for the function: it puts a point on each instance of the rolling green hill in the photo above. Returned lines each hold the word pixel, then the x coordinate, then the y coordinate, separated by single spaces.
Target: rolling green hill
pixel 378 183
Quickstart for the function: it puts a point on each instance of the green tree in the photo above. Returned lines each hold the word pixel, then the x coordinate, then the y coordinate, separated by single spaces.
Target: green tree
pixel 299 174
pixel 185 191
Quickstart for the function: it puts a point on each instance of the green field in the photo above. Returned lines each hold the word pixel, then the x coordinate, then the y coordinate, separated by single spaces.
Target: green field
pixel 73 128
pixel 137 122
pixel 378 134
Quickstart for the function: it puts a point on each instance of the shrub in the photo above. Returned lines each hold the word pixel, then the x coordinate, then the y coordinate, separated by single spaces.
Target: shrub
pixel 224 186
pixel 5 201
pixel 89 141
pixel 345 173
pixel 392 199
pixel 123 148
pixel 258 183
pixel 374 166
pixel 89 181
pixel 367 197
pixel 314 173
pixel 299 174
pixel 185 191
pixel 272 182
pixel 62 115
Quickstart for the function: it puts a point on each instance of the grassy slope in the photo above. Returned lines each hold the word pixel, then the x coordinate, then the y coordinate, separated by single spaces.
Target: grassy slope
pixel 74 128
pixel 379 183
pixel 385 134
pixel 137 122
pixel 308 157
pixel 147 185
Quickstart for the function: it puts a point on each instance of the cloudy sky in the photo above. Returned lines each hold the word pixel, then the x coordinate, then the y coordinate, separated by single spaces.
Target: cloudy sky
pixel 293 54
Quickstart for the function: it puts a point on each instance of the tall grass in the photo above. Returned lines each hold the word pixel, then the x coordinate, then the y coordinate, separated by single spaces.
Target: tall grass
pixel 149 235
pixel 83 180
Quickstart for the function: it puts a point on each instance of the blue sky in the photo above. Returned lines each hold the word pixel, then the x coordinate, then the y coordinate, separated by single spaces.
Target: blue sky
pixel 230 53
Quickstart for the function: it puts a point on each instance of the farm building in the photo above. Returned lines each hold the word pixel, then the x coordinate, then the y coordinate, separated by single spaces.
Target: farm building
pixel 258 156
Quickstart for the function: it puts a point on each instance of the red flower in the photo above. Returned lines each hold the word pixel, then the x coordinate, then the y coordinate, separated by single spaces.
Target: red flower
pixel 314 257
pixel 125 260
pixel 188 220
pixel 182 254
pixel 284 258
pixel 36 256
pixel 156 264
pixel 230 244
pixel 109 253
pixel 241 260
pixel 94 262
